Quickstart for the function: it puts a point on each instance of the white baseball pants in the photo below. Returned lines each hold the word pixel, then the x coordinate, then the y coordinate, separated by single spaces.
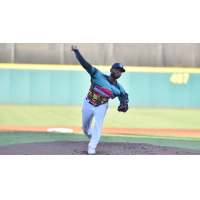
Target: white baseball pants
pixel 88 113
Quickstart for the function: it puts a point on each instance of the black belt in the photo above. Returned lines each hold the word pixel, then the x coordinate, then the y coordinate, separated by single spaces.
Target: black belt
pixel 91 102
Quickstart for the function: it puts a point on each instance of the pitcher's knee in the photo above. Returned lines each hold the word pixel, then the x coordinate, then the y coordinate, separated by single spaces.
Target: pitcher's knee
pixel 85 130
pixel 99 122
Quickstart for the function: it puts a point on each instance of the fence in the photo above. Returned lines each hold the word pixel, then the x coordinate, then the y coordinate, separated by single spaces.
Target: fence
pixel 133 54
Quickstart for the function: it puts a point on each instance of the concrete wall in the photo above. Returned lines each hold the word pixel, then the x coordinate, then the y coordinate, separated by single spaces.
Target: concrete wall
pixel 130 54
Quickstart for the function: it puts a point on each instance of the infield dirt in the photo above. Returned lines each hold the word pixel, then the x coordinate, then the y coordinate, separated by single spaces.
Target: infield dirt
pixel 103 148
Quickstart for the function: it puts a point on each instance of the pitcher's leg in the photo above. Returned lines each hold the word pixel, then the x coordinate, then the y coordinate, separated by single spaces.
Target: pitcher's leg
pixel 100 113
pixel 87 117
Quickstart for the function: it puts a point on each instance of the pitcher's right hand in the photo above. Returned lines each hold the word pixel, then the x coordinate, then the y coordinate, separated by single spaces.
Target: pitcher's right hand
pixel 73 47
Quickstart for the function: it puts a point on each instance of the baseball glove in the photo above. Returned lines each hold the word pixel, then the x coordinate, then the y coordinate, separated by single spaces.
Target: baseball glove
pixel 124 103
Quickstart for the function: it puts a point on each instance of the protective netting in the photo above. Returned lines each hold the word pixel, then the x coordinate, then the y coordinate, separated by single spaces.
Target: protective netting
pixel 129 54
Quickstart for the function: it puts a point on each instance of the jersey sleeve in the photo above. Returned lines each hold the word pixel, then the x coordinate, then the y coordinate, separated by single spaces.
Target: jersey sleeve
pixel 95 73
pixel 122 93
pixel 89 68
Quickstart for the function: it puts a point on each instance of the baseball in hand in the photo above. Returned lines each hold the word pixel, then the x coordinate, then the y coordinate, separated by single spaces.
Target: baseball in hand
pixel 73 47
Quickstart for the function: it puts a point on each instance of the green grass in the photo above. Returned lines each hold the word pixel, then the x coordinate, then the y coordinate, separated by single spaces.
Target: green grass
pixel 9 138
pixel 38 115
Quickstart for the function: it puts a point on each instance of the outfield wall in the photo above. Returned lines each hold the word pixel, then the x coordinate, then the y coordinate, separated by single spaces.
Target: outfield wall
pixel 69 84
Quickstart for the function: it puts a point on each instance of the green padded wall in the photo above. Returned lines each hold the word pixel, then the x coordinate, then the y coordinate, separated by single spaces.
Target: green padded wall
pixel 68 87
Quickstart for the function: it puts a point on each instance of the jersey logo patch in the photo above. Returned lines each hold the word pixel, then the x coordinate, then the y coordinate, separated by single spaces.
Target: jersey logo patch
pixel 104 92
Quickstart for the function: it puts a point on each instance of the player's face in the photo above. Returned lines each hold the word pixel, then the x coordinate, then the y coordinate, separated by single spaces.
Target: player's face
pixel 116 73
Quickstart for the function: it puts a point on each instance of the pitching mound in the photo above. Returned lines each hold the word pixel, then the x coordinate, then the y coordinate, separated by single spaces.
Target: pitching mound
pixel 104 148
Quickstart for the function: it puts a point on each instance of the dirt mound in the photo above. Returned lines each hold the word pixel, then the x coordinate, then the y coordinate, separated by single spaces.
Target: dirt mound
pixel 104 148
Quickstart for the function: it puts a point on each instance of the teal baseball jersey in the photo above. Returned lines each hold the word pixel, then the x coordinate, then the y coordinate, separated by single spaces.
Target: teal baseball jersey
pixel 101 89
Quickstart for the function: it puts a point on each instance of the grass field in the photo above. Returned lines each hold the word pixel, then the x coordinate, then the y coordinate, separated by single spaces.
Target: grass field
pixel 9 138
pixel 71 116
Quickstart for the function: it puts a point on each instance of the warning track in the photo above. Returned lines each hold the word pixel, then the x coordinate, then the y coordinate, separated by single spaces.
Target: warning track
pixel 175 132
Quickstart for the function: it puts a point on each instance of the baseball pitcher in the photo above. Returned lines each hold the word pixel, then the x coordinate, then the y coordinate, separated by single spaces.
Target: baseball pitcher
pixel 102 89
